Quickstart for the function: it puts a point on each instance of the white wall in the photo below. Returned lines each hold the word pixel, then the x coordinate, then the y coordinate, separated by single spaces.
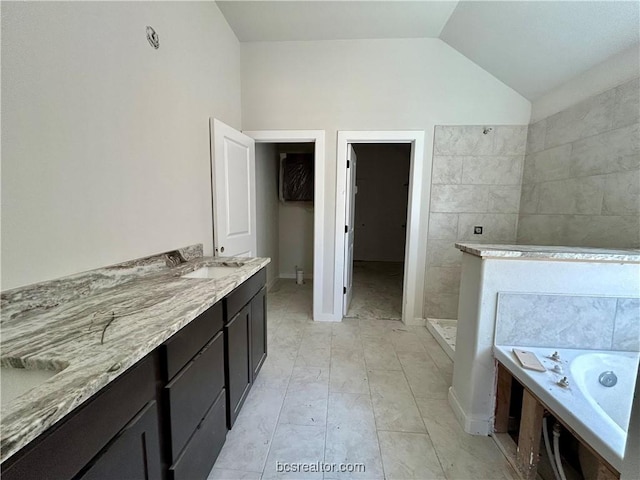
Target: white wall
pixel 296 226
pixel 382 177
pixel 105 140
pixel 612 72
pixel 407 84
pixel 296 238
pixel 267 207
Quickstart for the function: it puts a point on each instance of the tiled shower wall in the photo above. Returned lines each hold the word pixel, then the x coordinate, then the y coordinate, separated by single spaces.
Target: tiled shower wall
pixel 476 181
pixel 581 182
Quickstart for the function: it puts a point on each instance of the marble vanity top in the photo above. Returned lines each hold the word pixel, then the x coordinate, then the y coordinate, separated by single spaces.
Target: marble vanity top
pixel 93 337
pixel 540 252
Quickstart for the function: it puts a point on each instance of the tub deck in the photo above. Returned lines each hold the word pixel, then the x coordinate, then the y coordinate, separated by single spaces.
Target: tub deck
pixel 601 434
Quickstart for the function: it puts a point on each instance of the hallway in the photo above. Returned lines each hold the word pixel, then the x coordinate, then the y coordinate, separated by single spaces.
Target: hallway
pixel 363 391
pixel 377 290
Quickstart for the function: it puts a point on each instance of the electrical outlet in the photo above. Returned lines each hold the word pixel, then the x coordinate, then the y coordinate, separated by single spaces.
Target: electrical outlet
pixel 477 230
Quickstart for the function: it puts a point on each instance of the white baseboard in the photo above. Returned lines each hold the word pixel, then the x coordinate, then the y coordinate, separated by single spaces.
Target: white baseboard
pixel 271 283
pixel 420 322
pixel 326 317
pixel 473 426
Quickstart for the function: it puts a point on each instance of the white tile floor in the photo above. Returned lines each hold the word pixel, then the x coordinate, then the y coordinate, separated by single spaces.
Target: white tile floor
pixel 365 391
pixel 377 290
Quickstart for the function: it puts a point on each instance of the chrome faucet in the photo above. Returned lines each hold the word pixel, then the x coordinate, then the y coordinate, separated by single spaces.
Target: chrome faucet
pixel 173 259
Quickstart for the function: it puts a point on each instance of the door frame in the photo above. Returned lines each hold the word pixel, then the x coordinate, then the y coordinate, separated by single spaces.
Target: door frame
pixel 417 217
pixel 317 137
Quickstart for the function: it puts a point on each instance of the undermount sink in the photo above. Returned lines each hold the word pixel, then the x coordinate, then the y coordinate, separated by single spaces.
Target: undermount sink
pixel 15 382
pixel 219 271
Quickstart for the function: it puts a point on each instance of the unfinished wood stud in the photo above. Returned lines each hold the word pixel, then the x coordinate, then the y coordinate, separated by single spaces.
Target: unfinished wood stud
pixel 503 400
pixel 528 452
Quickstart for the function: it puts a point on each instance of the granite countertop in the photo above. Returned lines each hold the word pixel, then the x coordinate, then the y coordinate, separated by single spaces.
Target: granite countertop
pixel 541 252
pixel 93 338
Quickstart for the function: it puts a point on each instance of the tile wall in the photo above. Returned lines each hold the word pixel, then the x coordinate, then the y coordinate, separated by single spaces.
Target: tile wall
pixel 598 323
pixel 476 181
pixel 581 180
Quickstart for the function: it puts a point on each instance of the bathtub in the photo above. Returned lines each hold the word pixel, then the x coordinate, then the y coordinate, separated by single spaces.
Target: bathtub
pixel 598 414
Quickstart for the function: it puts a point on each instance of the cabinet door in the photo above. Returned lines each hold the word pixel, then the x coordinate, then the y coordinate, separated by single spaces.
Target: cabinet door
pixel 68 447
pixel 258 331
pixel 238 368
pixel 133 454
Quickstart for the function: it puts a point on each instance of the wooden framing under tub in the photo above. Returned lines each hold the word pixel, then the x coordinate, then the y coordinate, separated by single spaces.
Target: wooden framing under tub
pixel 525 455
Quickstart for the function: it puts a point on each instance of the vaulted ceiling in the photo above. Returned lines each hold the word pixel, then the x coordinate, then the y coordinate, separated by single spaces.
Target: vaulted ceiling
pixel 532 46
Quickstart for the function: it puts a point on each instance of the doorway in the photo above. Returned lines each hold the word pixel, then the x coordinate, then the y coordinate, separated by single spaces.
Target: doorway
pixel 298 235
pixel 380 224
pixel 415 231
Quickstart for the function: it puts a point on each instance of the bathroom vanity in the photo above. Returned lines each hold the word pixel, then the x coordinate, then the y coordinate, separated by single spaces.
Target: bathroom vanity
pixel 147 375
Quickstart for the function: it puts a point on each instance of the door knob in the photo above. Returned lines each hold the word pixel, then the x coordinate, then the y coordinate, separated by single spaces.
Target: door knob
pixel 222 249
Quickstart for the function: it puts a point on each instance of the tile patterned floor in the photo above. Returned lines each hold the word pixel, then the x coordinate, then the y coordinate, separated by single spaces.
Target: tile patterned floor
pixel 366 391
pixel 377 290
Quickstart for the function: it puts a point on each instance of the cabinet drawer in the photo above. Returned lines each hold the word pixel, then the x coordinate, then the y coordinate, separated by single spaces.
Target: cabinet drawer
pixel 193 390
pixel 244 293
pixel 181 348
pixel 197 459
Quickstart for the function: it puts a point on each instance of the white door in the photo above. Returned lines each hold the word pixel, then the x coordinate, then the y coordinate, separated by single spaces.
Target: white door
pixel 350 208
pixel 233 169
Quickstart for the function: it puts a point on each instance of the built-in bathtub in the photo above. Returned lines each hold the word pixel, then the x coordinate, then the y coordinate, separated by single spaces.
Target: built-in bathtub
pixel 598 414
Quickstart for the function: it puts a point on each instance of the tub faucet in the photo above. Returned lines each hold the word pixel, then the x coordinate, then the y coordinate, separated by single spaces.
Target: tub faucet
pixel 555 356
pixel 564 382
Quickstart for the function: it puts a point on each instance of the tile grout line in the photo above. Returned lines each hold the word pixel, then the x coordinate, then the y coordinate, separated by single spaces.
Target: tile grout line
pixel 279 411
pixel 326 420
pixel 435 451
pixel 375 422
pixel 426 347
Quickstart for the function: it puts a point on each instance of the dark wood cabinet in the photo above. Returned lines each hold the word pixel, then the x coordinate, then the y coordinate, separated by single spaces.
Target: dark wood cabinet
pixel 194 396
pixel 198 457
pixel 84 437
pixel 258 331
pixel 238 369
pixel 186 343
pixel 192 391
pixel 167 417
pixel 245 340
pixel 134 453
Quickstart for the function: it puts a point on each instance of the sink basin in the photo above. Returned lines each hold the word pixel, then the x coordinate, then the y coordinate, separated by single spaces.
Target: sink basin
pixel 17 381
pixel 213 272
